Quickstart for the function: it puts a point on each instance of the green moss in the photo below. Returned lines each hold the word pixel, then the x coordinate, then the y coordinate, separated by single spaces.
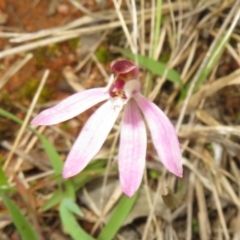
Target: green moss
pixel 28 91
pixel 5 98
pixel 103 55
pixel 64 126
pixel 195 226
pixel 154 174
pixel 234 138
pixel 53 50
pixel 209 147
pixel 41 54
pixel 73 43
pixel 45 94
pixel 40 57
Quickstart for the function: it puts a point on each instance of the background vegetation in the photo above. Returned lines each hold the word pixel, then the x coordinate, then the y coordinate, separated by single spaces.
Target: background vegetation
pixel 189 55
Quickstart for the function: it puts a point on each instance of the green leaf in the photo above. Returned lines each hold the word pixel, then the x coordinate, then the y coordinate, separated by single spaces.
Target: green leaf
pixel 10 116
pixel 54 157
pixel 119 215
pixel 157 27
pixel 53 201
pixel 154 174
pixel 96 163
pixel 23 226
pixel 71 225
pixel 154 66
pixel 69 189
pixel 3 178
pixel 72 206
pixel 4 186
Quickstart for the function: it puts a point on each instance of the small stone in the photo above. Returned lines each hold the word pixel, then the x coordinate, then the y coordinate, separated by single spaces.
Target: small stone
pixel 63 9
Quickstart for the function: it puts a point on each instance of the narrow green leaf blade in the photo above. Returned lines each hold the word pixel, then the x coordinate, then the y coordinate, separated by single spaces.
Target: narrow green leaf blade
pixel 71 225
pixel 54 157
pixel 72 206
pixel 69 189
pixel 4 186
pixel 119 215
pixel 53 201
pixel 23 226
pixel 3 178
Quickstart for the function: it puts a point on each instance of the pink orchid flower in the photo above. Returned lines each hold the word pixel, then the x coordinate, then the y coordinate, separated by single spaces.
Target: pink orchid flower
pixel 122 92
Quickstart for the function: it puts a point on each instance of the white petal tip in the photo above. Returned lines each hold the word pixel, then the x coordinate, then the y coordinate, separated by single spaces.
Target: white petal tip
pixel 179 175
pixel 34 123
pixel 178 172
pixel 67 173
pixel 129 194
pixel 39 120
pixel 128 189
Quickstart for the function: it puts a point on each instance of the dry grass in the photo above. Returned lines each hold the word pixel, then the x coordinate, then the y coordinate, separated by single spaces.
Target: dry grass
pixel 189 39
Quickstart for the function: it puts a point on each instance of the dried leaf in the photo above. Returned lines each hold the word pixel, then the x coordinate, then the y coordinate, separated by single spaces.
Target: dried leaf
pixel 173 200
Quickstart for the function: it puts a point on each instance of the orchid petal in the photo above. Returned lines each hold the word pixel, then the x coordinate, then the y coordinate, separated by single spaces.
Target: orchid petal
pixel 163 135
pixel 125 69
pixel 71 107
pixel 90 139
pixel 132 150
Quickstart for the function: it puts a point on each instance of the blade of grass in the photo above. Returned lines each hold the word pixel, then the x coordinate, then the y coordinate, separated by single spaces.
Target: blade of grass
pixel 54 157
pixel 157 28
pixel 53 201
pixel 156 24
pixel 116 220
pixel 69 189
pixel 72 206
pixel 154 66
pixel 3 178
pixel 85 176
pixel 4 186
pixel 59 194
pixel 71 225
pixel 23 226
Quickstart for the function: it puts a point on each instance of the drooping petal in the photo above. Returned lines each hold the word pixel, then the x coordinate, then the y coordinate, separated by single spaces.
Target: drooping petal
pixel 125 68
pixel 91 139
pixel 163 135
pixel 71 107
pixel 132 150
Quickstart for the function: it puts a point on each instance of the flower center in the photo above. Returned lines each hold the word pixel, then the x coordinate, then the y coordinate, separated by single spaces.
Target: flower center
pixel 121 90
pixel 117 89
